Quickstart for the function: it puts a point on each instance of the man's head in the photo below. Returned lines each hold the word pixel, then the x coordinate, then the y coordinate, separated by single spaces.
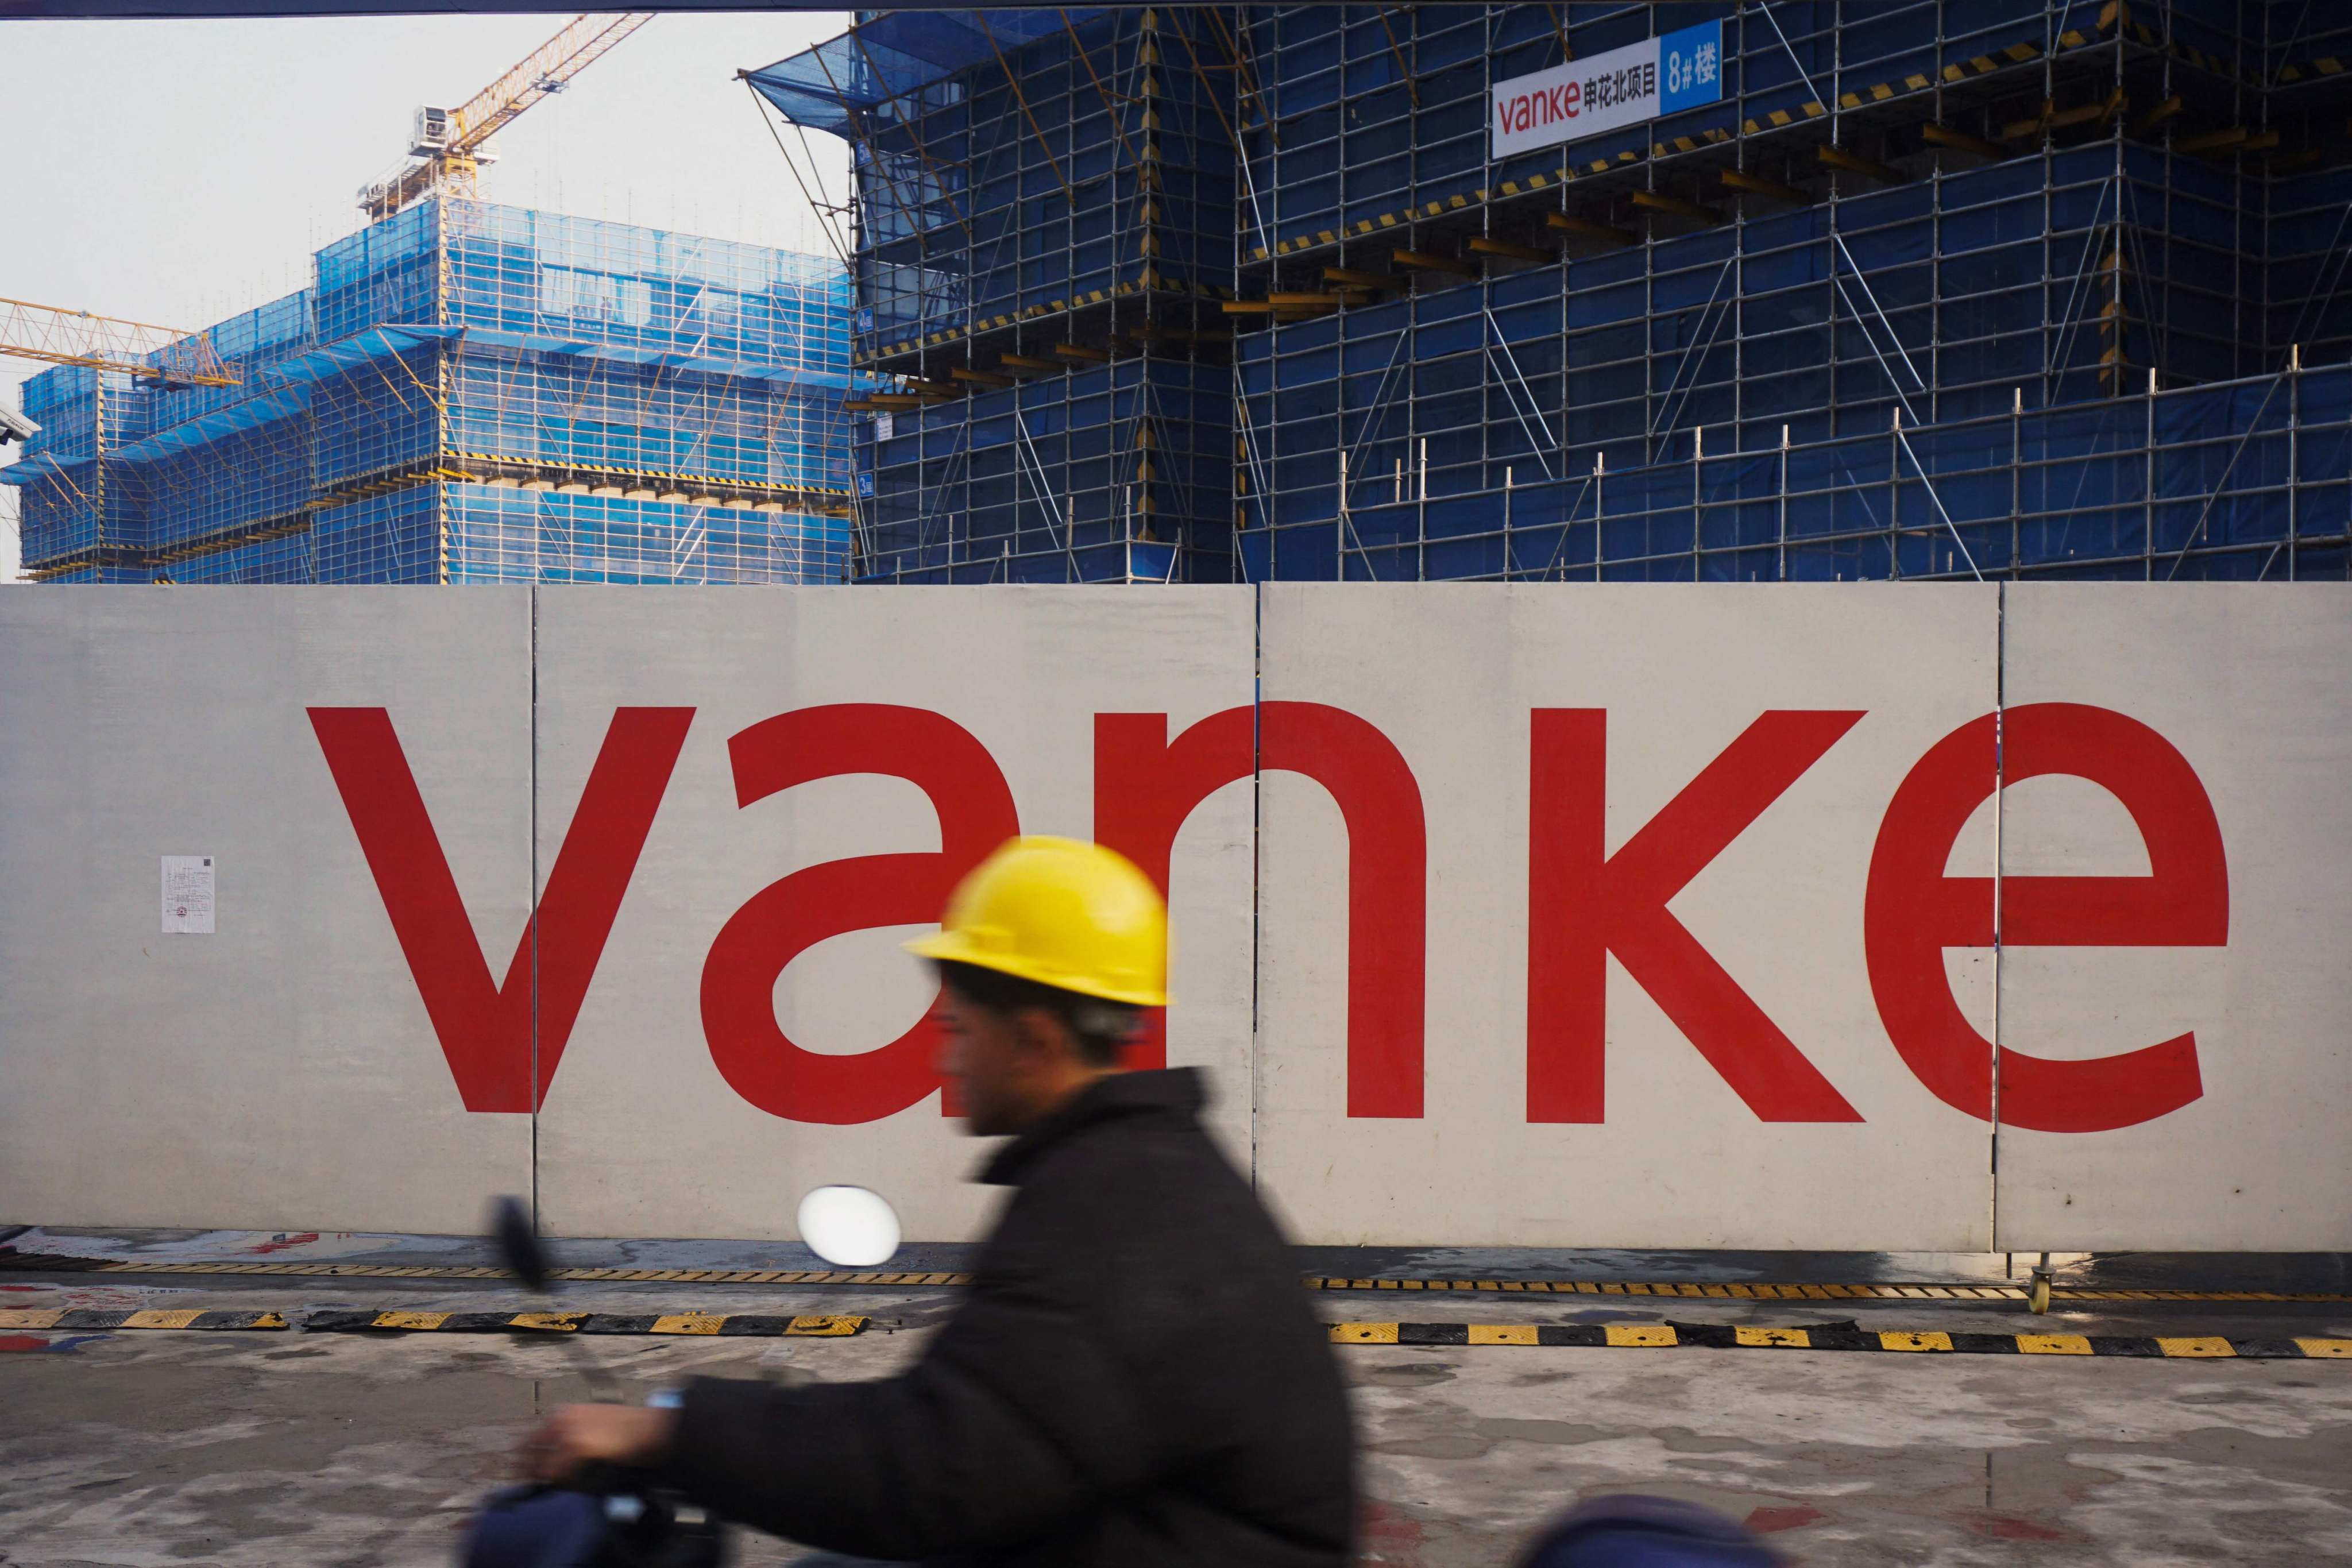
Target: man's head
pixel 1047 952
pixel 1016 1051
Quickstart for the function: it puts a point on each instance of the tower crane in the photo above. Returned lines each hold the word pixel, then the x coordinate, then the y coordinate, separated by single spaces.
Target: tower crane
pixel 149 352
pixel 138 349
pixel 447 146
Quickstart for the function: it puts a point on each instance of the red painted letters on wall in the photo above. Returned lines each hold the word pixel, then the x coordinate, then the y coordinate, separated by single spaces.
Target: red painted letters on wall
pixel 1146 787
pixel 1913 912
pixel 485 1029
pixel 791 915
pixel 1584 904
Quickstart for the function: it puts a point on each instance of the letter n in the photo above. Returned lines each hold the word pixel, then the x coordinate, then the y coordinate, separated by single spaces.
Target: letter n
pixel 1145 786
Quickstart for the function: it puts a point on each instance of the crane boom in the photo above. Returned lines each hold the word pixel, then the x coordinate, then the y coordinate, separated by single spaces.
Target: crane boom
pixel 449 148
pixel 547 69
pixel 56 336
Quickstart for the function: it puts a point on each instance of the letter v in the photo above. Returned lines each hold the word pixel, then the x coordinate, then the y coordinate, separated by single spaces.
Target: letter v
pixel 485 1031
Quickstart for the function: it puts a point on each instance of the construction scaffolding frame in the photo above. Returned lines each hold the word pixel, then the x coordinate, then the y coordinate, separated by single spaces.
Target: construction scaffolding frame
pixel 1891 244
pixel 1041 247
pixel 474 393
pixel 1938 288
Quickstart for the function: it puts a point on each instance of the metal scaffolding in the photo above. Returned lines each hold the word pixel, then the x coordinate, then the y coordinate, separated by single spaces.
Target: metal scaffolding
pixel 1935 289
pixel 472 393
pixel 1041 247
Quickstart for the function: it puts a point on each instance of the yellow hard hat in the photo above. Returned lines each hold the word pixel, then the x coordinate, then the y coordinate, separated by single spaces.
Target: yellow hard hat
pixel 1062 912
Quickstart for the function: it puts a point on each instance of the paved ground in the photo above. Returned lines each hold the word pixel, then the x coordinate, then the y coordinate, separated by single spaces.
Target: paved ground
pixel 147 1447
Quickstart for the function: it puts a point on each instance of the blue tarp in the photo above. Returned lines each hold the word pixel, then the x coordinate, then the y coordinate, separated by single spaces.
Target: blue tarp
pixel 359 350
pixel 250 415
pixel 881 70
pixel 46 466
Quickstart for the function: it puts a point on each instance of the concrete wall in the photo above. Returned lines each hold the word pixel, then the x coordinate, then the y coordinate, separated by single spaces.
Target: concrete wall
pixel 1642 916
pixel 280 1071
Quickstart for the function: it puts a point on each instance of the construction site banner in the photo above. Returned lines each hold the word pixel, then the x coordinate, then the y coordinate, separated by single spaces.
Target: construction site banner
pixel 1636 916
pixel 1607 91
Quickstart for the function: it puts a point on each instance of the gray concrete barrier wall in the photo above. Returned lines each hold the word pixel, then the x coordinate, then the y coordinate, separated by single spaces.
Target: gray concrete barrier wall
pixel 1639 916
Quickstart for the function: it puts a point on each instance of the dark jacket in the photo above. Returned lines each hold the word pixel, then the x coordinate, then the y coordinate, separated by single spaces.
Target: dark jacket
pixel 1134 1379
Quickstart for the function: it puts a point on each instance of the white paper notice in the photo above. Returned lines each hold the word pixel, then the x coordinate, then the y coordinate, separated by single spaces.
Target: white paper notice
pixel 188 894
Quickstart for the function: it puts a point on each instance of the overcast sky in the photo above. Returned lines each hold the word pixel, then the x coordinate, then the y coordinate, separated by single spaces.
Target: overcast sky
pixel 181 172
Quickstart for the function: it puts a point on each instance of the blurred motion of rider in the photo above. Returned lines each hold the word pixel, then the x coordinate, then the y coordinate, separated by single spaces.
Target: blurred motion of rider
pixel 1134 1378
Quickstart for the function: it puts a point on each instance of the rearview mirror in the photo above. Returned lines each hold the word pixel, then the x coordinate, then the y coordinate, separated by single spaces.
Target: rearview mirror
pixel 518 1243
pixel 849 1227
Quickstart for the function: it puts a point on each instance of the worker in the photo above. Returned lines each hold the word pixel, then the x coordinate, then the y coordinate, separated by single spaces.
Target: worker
pixel 1135 1376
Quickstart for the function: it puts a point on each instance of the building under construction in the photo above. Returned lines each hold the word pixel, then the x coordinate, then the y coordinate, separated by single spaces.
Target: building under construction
pixel 467 393
pixel 1807 289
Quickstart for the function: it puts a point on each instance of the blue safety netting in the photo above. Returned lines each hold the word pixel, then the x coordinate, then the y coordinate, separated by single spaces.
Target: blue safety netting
pixel 390 342
pixel 187 436
pixel 896 66
pixel 10 9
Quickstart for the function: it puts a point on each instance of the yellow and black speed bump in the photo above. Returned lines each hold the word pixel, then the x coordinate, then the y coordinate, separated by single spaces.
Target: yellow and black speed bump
pixel 1767 1291
pixel 757 1325
pixel 86 1318
pixel 59 1263
pixel 1845 1336
pixel 1757 1290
